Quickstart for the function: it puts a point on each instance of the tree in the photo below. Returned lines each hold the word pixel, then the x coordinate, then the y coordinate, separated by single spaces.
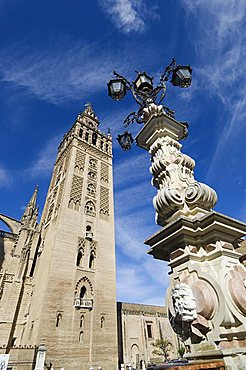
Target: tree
pixel 162 347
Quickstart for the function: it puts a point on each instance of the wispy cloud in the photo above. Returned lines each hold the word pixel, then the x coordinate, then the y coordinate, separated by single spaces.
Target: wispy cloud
pixel 67 73
pixel 5 178
pixel 45 160
pixel 129 15
pixel 221 68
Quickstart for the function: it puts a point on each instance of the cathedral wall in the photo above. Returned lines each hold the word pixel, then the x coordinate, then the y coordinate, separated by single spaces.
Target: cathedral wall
pixel 140 326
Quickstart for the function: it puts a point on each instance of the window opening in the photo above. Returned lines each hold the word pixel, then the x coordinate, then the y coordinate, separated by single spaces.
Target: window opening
pixel 94 138
pixel 102 322
pixel 82 320
pixel 58 319
pixel 80 132
pixel 87 136
pixel 149 331
pixel 90 208
pixel 79 259
pixel 82 292
pixel 81 334
pixel 91 189
pixel 91 261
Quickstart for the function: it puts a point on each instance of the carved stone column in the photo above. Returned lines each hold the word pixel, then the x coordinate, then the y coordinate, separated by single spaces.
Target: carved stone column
pixel 207 295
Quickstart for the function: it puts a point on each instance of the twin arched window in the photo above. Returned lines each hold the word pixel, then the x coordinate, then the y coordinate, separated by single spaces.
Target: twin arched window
pixel 90 208
pixel 91 189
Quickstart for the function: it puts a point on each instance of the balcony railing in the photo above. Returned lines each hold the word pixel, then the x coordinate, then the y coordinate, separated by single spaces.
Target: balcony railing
pixel 83 303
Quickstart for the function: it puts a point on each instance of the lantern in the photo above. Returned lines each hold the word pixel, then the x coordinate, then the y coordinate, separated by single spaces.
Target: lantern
pixel 117 88
pixel 125 140
pixel 182 76
pixel 143 82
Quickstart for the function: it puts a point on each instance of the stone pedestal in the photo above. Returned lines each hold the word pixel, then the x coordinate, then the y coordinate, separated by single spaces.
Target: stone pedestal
pixel 207 295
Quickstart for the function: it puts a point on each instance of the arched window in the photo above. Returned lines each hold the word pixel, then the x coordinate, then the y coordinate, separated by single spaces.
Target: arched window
pixel 80 132
pixel 91 189
pixel 58 319
pixel 79 258
pixel 94 138
pixel 88 233
pixel 90 208
pixel 92 260
pixel 87 136
pixel 81 334
pixel 92 162
pixel 102 322
pixel 82 321
pixel 82 292
pixel 92 175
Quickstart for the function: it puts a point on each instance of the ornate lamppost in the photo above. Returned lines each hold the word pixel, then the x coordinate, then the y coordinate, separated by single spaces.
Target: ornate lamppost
pixel 206 300
pixel 145 93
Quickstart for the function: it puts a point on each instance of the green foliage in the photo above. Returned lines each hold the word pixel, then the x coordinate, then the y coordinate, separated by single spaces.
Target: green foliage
pixel 162 347
pixel 181 351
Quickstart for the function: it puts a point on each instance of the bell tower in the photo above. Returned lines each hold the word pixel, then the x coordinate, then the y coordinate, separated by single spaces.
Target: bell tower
pixel 73 305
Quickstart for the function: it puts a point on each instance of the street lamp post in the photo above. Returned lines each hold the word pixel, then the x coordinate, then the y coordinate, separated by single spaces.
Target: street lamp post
pixel 206 300
pixel 145 93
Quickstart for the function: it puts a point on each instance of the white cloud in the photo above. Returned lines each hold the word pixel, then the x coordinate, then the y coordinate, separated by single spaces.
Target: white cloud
pixel 220 48
pixel 5 178
pixel 129 15
pixel 68 73
pixel 134 285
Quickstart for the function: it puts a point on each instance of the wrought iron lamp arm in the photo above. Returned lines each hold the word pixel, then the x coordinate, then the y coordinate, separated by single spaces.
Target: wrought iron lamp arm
pixel 169 69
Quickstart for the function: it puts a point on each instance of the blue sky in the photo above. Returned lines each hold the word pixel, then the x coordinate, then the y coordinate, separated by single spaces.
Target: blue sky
pixel 57 55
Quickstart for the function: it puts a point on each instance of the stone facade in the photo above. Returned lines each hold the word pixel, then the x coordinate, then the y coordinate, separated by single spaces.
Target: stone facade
pixel 139 326
pixel 57 279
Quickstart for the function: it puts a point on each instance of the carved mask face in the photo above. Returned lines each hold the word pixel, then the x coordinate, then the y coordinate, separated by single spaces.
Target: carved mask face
pixel 184 303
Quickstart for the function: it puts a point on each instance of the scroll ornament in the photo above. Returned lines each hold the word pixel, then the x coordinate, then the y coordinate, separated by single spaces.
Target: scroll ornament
pixel 173 176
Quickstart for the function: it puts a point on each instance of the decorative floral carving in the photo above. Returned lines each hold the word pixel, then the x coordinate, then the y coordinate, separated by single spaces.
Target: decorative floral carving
pixel 152 110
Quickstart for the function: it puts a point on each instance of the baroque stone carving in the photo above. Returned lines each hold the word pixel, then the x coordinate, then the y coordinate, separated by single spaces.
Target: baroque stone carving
pixel 152 110
pixel 184 303
pixel 237 287
pixel 173 176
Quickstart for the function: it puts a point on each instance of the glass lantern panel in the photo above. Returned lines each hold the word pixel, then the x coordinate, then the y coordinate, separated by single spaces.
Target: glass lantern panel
pixel 117 86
